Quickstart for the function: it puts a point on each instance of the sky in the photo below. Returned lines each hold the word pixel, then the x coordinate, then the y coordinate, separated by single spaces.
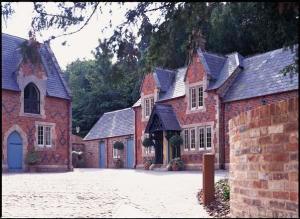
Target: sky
pixel 79 45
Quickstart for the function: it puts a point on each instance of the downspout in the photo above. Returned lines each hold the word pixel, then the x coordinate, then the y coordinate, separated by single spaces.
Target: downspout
pixel 70 134
pixel 135 138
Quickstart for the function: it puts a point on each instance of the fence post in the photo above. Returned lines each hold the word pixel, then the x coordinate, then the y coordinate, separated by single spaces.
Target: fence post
pixel 208 178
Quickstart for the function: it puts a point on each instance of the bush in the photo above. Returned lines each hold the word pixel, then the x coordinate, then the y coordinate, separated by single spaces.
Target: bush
pixel 223 186
pixel 32 157
pixel 118 145
pixel 176 140
pixel 118 163
pixel 147 142
pixel 176 164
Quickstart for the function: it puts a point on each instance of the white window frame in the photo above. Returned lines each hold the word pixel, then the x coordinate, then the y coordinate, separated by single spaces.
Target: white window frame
pixel 185 134
pixel 116 153
pixel 149 103
pixel 206 128
pixel 195 90
pixel 204 138
pixel 44 136
pixel 192 148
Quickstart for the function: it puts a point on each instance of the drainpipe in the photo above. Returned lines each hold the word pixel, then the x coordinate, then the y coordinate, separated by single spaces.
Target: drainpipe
pixel 70 166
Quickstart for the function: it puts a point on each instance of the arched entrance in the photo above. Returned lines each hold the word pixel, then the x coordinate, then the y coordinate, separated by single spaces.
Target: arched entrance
pixel 14 152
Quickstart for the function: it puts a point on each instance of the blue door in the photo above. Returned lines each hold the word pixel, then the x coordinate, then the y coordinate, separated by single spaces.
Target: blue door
pixel 102 155
pixel 130 153
pixel 14 152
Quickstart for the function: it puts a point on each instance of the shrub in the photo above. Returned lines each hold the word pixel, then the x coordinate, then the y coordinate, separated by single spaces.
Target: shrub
pixel 176 164
pixel 223 186
pixel 147 142
pixel 176 140
pixel 32 157
pixel 118 145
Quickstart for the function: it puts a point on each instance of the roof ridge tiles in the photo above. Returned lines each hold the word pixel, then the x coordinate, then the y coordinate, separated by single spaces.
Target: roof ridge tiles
pixel 116 111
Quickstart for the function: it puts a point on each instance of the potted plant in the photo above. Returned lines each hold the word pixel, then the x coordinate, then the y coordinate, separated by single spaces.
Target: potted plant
pixel 147 142
pixel 176 164
pixel 32 158
pixel 175 141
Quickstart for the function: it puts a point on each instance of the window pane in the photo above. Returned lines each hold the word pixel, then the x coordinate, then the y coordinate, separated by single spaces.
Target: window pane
pixel 200 96
pixel 186 139
pixel 152 104
pixel 31 99
pixel 193 145
pixel 193 97
pixel 147 107
pixel 208 137
pixel 40 135
pixel 48 135
pixel 201 138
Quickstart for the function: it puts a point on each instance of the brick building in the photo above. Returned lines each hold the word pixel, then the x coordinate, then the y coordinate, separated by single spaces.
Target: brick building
pixel 36 108
pixel 199 100
pixel 111 127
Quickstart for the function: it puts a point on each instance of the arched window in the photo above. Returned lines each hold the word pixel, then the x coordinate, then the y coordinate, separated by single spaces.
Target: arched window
pixel 31 99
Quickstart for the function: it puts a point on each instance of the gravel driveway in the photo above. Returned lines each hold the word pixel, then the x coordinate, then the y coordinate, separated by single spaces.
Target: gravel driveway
pixel 103 193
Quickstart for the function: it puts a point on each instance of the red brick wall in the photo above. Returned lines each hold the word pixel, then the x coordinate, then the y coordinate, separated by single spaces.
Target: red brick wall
pixel 264 161
pixel 92 151
pixel 232 109
pixel 148 84
pixel 195 73
pixel 56 111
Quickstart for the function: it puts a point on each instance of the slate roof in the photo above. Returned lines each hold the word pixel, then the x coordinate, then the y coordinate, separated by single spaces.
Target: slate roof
pixel 166 116
pixel 261 76
pixel 111 124
pixel 11 59
pixel 257 75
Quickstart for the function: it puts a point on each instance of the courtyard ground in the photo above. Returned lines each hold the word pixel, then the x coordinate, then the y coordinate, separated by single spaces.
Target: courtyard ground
pixel 103 193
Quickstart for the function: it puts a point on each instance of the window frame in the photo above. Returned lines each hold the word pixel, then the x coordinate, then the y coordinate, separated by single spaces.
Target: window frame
pixel 186 136
pixel 43 133
pixel 32 105
pixel 148 103
pixel 115 152
pixel 196 91
pixel 204 138
pixel 190 130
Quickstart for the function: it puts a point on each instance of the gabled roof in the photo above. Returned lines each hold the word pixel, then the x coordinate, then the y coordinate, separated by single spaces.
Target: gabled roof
pixel 253 76
pixel 163 78
pixel 167 119
pixel 11 59
pixel 112 124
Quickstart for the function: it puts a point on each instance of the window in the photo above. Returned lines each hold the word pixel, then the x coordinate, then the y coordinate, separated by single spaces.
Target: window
pixel 186 139
pixel 208 137
pixel 44 136
pixel 149 103
pixel 201 138
pixel 31 99
pixel 200 99
pixel 116 153
pixel 196 97
pixel 193 139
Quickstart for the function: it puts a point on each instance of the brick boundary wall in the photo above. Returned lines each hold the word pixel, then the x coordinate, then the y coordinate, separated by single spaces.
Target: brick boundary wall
pixel 263 171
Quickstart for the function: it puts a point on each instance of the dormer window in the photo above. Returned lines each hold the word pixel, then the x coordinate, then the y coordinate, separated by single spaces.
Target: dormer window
pixel 149 103
pixel 196 97
pixel 31 99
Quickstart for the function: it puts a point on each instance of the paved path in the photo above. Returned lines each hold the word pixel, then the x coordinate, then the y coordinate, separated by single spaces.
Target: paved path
pixel 103 193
